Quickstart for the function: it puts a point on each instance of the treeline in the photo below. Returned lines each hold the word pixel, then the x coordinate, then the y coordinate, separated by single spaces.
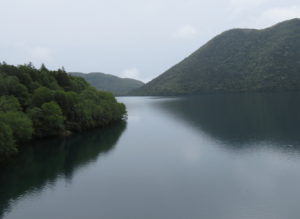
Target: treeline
pixel 118 86
pixel 37 103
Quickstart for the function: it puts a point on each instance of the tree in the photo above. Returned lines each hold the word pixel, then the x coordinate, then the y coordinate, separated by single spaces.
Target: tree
pixel 7 143
pixel 47 120
pixel 20 125
pixel 42 95
pixel 43 67
pixel 9 103
pixel 53 118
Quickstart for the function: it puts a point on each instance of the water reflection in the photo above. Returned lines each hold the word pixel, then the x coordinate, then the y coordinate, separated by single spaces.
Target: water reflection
pixel 242 119
pixel 43 163
pixel 179 158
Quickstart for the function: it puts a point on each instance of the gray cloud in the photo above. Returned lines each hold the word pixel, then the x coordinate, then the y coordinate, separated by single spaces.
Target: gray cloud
pixel 186 32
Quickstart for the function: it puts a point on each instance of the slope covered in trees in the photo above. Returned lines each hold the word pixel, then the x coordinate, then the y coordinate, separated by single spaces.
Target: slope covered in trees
pixel 37 103
pixel 237 60
pixel 118 86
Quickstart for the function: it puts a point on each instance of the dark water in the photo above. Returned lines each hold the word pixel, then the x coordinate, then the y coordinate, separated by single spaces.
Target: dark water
pixel 211 156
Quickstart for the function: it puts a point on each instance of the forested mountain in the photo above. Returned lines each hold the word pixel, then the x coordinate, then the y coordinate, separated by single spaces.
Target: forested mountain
pixel 237 60
pixel 37 103
pixel 111 83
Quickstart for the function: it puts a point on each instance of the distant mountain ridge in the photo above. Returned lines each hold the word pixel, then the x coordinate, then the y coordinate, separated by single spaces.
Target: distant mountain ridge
pixel 107 82
pixel 237 60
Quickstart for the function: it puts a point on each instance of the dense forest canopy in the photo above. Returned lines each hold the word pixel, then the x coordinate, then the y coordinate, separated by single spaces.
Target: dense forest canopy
pixel 238 60
pixel 37 103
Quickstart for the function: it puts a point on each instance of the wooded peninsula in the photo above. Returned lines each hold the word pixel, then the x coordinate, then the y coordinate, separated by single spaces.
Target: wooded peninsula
pixel 38 103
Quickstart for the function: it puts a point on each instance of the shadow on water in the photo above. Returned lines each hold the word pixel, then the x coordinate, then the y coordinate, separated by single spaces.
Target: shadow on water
pixel 46 161
pixel 241 119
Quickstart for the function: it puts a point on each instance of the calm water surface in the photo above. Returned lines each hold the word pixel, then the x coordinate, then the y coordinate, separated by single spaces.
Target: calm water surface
pixel 211 156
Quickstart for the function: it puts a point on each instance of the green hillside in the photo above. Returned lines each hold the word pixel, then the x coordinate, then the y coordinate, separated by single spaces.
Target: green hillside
pixel 39 103
pixel 111 83
pixel 237 60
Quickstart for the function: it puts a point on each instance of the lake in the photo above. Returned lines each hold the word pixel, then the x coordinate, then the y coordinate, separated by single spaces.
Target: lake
pixel 234 156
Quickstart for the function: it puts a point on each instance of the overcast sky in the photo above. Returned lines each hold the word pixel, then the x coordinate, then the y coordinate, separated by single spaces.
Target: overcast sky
pixel 127 38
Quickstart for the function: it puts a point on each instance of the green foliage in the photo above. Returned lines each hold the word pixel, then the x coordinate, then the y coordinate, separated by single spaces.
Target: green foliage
pixel 238 60
pixel 42 95
pixel 9 103
pixel 53 118
pixel 37 103
pixel 19 123
pixel 7 142
pixel 118 86
pixel 48 120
